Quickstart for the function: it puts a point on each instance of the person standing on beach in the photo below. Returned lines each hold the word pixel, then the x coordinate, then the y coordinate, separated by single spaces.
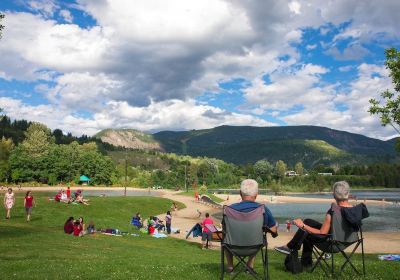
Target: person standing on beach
pixel 168 219
pixel 28 204
pixel 68 193
pixel 207 235
pixel 9 201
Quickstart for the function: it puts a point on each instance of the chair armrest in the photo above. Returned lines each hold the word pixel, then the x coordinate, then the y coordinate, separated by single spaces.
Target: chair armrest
pixel 268 230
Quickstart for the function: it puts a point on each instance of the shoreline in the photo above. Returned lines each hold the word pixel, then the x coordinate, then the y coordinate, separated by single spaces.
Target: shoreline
pixel 185 219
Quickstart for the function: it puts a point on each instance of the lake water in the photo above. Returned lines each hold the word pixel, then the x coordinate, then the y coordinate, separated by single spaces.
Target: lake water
pixel 389 195
pixel 382 218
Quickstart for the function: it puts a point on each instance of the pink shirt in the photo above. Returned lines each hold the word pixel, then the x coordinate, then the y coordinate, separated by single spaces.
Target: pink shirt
pixel 207 221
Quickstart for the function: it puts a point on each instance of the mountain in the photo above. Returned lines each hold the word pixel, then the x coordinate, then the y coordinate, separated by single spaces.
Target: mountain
pixel 311 145
pixel 128 138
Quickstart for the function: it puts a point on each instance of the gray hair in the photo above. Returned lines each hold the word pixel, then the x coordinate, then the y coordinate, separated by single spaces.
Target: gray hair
pixel 249 187
pixel 341 190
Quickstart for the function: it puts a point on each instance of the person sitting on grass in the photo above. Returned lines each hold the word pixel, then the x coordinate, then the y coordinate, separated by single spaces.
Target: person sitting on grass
pixel 91 228
pixel 159 225
pixel 69 225
pixel 78 231
pixel 206 235
pixel 79 198
pixel 341 192
pixel 137 221
pixel 248 193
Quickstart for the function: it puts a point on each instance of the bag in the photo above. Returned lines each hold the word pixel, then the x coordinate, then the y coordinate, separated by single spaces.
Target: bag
pixel 292 263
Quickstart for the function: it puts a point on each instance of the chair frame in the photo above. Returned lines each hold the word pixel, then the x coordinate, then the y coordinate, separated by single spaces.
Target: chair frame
pixel 329 269
pixel 242 259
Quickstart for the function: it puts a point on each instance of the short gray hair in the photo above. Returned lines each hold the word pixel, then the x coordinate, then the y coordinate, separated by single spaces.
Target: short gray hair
pixel 341 190
pixel 249 187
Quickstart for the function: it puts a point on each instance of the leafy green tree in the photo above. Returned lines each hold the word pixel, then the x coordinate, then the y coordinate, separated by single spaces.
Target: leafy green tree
pixel 263 169
pixel 6 145
pixel 299 168
pixel 280 169
pixel 38 140
pixel 389 111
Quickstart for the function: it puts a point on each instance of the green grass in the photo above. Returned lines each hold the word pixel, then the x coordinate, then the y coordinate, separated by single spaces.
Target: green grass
pixel 40 249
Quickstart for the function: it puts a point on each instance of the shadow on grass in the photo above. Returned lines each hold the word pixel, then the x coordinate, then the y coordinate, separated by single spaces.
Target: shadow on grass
pixel 7 231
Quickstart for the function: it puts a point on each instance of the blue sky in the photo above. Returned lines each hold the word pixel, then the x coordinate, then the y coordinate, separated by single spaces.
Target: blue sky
pixel 86 65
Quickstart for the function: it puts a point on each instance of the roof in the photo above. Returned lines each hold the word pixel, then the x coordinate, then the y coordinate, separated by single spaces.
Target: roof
pixel 84 178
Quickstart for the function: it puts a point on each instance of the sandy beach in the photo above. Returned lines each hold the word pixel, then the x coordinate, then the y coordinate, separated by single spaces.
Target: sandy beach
pixel 184 219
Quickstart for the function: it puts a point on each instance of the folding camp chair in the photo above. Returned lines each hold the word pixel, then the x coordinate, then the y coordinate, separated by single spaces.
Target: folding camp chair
pixel 342 235
pixel 243 236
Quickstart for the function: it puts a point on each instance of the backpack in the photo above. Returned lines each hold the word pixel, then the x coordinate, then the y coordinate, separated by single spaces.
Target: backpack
pixel 292 263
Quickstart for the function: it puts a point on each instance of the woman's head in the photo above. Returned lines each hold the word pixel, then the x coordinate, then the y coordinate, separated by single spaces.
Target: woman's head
pixel 70 219
pixel 81 219
pixel 138 214
pixel 9 190
pixel 28 193
pixel 341 191
pixel 207 215
pixel 168 213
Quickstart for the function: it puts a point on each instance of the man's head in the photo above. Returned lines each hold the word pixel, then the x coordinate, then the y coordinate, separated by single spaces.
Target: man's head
pixel 341 191
pixel 249 189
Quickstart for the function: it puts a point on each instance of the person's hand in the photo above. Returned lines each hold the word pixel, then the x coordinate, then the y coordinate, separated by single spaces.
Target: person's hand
pixel 299 223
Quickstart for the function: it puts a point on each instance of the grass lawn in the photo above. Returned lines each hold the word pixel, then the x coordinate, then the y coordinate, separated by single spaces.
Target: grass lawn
pixel 40 249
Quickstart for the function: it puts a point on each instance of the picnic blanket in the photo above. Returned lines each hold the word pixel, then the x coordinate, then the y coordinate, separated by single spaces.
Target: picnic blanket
pixel 159 235
pixel 389 257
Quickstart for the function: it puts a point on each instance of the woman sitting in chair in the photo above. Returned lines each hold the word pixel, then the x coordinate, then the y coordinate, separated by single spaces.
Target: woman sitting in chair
pixel 341 192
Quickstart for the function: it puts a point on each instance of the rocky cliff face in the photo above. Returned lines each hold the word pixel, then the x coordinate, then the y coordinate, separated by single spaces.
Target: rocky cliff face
pixel 129 138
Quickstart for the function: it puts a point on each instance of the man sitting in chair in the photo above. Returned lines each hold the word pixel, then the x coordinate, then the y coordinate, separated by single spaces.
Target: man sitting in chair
pixel 341 192
pixel 249 192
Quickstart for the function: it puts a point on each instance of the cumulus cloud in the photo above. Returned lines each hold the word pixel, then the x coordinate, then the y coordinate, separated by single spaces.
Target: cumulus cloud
pixel 165 115
pixel 143 55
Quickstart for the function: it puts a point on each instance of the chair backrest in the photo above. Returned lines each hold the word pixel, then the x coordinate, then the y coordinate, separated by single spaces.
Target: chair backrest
pixel 243 229
pixel 341 230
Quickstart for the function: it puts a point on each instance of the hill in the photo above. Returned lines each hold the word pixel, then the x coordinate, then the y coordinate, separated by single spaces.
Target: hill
pixel 128 138
pixel 310 144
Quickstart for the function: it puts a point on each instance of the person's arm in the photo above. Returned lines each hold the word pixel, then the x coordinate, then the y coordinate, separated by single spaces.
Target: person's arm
pixel 324 228
pixel 24 202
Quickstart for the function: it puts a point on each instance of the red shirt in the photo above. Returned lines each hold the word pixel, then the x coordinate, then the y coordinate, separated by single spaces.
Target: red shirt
pixel 68 193
pixel 77 230
pixel 207 221
pixel 57 197
pixel 28 201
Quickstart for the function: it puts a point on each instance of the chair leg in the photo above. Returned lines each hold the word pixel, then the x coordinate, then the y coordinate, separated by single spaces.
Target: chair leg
pixel 222 262
pixel 362 256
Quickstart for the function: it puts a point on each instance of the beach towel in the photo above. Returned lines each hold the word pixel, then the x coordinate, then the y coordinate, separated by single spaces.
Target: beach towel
pixel 389 257
pixel 159 235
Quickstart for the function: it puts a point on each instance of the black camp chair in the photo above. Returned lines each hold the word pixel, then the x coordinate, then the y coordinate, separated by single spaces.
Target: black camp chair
pixel 243 236
pixel 343 234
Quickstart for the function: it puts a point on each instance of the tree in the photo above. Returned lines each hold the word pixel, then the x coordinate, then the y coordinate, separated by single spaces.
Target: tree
pixel 1 26
pixel 299 168
pixel 263 169
pixel 38 140
pixel 280 169
pixel 389 111
pixel 6 145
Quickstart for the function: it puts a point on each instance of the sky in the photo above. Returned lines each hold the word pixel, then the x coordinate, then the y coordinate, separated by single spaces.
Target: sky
pixel 86 65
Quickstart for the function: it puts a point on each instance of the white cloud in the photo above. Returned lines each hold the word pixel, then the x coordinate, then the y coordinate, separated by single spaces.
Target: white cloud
pixel 165 115
pixel 45 7
pixel 66 15
pixel 288 88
